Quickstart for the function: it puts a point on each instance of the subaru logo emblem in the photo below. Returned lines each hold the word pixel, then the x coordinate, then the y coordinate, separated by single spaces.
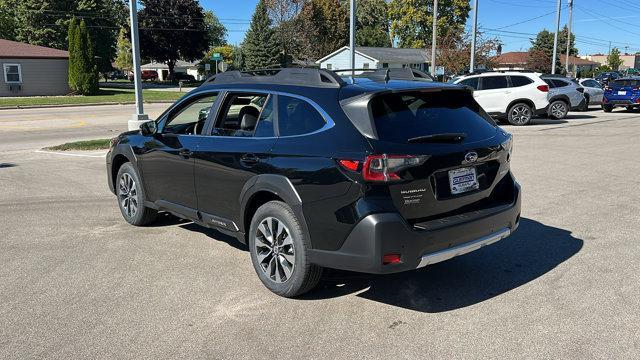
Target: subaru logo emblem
pixel 471 157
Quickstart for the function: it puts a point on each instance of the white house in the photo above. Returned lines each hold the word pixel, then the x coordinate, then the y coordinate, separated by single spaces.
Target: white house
pixel 181 67
pixel 377 58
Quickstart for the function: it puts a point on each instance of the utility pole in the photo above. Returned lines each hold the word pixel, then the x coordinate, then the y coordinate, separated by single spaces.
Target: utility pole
pixel 569 33
pixel 433 39
pixel 472 66
pixel 352 39
pixel 139 117
pixel 555 40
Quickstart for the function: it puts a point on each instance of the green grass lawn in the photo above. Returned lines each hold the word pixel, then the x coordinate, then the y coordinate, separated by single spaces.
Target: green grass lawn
pixel 99 144
pixel 103 96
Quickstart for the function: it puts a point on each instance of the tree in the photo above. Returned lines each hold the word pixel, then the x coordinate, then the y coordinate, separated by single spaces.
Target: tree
pixel 7 21
pixel 539 60
pixel 83 72
pixel 73 54
pixel 217 32
pixel 542 50
pixel 260 46
pixel 326 28
pixel 172 30
pixel 228 56
pixel 613 60
pixel 284 18
pixel 372 23
pixel 455 51
pixel 124 54
pixel 412 20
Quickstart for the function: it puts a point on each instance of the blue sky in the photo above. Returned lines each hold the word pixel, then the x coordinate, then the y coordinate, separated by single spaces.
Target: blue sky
pixel 596 22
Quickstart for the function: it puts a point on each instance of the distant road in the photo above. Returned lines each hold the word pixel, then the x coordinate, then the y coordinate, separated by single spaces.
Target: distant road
pixel 22 129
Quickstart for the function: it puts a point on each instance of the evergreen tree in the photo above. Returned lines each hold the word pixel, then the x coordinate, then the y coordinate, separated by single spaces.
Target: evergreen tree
pixel 73 54
pixel 87 75
pixel 260 47
pixel 372 23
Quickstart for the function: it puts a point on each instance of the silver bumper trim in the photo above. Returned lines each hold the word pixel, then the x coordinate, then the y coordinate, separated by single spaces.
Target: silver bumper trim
pixel 465 248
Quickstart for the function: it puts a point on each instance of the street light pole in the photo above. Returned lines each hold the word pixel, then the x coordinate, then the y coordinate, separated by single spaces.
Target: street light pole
pixel 474 36
pixel 569 33
pixel 139 117
pixel 352 39
pixel 433 38
pixel 555 39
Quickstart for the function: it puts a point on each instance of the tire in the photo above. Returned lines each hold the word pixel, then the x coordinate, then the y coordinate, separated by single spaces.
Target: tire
pixel 292 275
pixel 558 110
pixel 630 108
pixel 607 108
pixel 131 197
pixel 520 114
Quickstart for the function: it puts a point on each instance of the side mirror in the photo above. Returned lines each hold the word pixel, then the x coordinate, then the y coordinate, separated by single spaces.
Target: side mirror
pixel 149 128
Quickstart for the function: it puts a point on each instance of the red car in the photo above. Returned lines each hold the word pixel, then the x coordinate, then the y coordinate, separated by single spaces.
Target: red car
pixel 147 75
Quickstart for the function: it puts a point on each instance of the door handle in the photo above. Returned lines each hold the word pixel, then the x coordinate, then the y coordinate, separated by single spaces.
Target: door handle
pixel 249 159
pixel 185 153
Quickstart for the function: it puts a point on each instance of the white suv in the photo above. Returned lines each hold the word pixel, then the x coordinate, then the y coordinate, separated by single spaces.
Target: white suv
pixel 513 96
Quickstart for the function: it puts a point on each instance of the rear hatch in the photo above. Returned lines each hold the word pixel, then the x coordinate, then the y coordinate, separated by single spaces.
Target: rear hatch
pixel 623 90
pixel 443 155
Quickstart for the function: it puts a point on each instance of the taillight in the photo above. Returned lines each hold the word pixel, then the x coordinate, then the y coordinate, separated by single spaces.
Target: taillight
pixel 383 168
pixel 543 88
pixel 391 259
pixel 638 101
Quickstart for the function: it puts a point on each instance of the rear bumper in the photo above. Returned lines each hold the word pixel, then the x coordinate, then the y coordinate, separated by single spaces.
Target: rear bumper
pixel 387 233
pixel 618 102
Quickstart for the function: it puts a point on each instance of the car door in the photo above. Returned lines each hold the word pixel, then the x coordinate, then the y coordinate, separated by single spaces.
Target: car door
pixel 166 160
pixel 237 147
pixel 494 94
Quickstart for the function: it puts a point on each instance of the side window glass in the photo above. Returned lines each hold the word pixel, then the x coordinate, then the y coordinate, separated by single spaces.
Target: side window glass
pixel 560 83
pixel 297 117
pixel 551 84
pixel 265 122
pixel 494 82
pixel 190 119
pixel 473 83
pixel 518 81
pixel 239 115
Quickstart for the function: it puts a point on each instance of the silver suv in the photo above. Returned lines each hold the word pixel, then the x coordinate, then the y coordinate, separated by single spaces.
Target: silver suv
pixel 564 96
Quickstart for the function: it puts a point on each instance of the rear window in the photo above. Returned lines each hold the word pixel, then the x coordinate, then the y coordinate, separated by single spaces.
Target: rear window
pixel 517 81
pixel 473 83
pixel 401 116
pixel 494 82
pixel 626 83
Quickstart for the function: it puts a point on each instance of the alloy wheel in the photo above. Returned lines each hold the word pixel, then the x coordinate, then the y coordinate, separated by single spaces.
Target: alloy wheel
pixel 558 110
pixel 520 114
pixel 128 194
pixel 274 249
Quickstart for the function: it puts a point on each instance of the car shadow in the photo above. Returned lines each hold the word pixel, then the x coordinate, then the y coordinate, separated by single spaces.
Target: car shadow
pixel 529 253
pixel 7 165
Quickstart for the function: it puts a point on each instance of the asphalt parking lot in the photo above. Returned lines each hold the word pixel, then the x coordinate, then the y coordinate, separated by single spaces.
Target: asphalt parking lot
pixel 77 282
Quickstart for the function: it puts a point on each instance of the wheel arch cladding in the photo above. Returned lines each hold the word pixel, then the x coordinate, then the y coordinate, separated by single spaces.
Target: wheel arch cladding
pixel 563 98
pixel 525 101
pixel 118 161
pixel 264 188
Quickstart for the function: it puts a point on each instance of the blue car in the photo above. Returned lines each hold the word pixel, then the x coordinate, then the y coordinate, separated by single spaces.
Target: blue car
pixel 622 92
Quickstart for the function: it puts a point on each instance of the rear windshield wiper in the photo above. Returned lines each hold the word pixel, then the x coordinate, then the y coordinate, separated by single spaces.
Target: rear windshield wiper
pixel 438 138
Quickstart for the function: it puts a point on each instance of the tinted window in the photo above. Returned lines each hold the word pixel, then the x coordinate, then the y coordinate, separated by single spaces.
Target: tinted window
pixel 297 117
pixel 240 114
pixel 626 83
pixel 551 84
pixel 399 117
pixel 265 123
pixel 560 83
pixel 517 81
pixel 190 119
pixel 494 82
pixel 473 83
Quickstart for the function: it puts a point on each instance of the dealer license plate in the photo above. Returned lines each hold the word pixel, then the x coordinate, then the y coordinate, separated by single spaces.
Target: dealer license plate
pixel 463 180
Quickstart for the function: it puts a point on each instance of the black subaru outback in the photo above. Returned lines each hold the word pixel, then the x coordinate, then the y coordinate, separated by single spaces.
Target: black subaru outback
pixel 378 173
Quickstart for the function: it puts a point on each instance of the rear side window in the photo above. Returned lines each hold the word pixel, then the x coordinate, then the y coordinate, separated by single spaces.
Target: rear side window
pixel 560 83
pixel 494 82
pixel 473 83
pixel 297 117
pixel 517 81
pixel 402 116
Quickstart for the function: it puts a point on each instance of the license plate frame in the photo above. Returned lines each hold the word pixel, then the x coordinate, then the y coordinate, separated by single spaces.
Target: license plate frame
pixel 463 180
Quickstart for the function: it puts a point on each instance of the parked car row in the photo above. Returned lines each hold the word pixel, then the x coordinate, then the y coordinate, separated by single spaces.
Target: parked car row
pixel 517 97
pixel 152 75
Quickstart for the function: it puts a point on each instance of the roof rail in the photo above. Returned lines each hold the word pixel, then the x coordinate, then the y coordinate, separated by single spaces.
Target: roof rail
pixel 386 74
pixel 285 76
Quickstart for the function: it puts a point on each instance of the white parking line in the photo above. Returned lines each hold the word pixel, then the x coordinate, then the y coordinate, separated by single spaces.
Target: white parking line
pixel 100 155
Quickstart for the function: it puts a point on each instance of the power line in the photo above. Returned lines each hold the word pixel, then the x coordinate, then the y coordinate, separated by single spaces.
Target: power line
pixel 528 20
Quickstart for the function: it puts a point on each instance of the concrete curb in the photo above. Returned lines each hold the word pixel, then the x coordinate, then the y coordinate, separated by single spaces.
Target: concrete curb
pixel 79 105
